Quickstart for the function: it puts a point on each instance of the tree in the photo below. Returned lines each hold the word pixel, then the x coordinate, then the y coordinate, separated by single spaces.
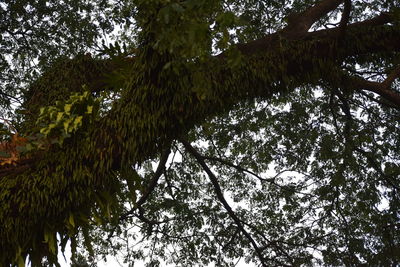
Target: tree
pixel 234 90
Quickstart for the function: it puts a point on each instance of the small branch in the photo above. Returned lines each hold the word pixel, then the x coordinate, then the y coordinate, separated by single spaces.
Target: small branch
pixel 231 239
pixel 239 168
pixel 221 198
pixel 154 180
pixel 377 168
pixel 344 21
pixel 18 100
pixel 152 185
pixel 271 180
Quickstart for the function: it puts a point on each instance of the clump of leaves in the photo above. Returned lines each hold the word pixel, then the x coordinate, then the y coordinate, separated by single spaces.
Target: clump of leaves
pixel 60 121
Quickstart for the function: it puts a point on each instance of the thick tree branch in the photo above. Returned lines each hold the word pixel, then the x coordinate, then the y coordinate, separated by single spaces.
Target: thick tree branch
pixel 393 75
pixel 300 23
pixel 381 19
pixel 385 39
pixel 388 41
pixel 345 17
pixel 383 103
pixel 381 88
pixel 221 198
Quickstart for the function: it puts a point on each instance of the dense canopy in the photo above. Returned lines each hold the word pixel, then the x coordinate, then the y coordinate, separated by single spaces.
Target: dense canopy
pixel 190 132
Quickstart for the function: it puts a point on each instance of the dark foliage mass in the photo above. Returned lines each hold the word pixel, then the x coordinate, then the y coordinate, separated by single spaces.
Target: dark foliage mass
pixel 200 131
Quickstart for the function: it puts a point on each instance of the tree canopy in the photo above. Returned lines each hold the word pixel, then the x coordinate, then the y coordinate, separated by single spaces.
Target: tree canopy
pixel 200 131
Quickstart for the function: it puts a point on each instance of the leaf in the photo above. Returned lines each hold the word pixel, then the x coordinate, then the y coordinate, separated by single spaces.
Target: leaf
pixel 132 179
pixel 89 109
pixel 77 122
pixel 21 261
pixel 59 116
pixel 71 220
pixel 49 238
pixel 177 8
pixel 67 108
pixel 87 241
pixel 67 125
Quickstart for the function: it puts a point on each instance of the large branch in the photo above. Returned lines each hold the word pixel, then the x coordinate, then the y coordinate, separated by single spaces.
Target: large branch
pixel 381 88
pixel 362 28
pixel 300 23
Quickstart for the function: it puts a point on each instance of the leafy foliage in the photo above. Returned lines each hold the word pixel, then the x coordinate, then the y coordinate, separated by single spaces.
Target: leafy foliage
pixel 275 141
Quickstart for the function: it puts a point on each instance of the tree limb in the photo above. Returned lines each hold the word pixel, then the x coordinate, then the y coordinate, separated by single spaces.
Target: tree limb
pixel 380 88
pixel 300 23
pixel 346 15
pixel 152 185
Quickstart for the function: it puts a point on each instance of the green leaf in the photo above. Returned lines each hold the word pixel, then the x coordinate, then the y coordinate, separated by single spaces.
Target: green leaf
pixel 71 220
pixel 59 116
pixel 77 122
pixel 21 261
pixel 67 108
pixel 89 109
